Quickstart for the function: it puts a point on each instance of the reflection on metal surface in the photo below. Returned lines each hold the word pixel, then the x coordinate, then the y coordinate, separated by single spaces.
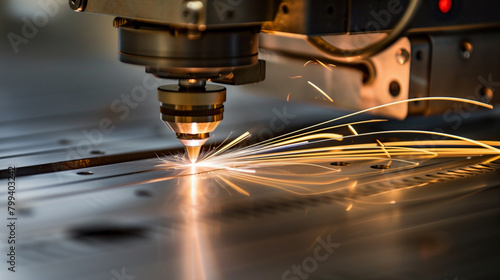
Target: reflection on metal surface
pixel 197 260
pixel 247 211
pixel 402 199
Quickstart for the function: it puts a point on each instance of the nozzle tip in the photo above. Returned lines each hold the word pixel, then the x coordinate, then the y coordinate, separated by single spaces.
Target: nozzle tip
pixel 193 153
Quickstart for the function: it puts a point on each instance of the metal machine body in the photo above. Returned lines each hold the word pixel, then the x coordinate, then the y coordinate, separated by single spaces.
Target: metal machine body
pixel 94 199
pixel 218 40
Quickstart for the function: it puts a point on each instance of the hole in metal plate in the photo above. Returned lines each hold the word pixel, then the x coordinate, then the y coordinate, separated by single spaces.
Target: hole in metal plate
pixel 340 163
pixel 107 233
pixel 380 166
pixel 143 193
pixel 85 173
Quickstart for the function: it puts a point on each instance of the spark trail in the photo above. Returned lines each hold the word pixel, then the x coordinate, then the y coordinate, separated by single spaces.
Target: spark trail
pixel 308 152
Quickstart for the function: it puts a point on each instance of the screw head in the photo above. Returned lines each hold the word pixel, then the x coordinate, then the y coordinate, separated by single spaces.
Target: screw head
pixel 402 56
pixel 78 5
pixel 192 11
pixel 486 94
pixel 466 49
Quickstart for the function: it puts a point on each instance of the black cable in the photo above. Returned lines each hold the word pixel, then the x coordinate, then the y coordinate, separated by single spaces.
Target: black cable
pixel 339 55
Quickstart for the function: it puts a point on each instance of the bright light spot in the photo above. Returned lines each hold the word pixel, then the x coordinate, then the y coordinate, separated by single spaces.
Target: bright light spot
pixel 194 127
pixel 445 6
pixel 241 170
pixel 195 5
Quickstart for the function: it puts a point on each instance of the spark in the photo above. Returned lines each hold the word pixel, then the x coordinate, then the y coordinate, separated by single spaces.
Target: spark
pixel 352 129
pixel 241 170
pixel 310 150
pixel 285 146
pixel 317 61
pixel 383 148
pixel 232 143
pixel 303 139
pixel 307 62
pixel 324 65
pixel 234 186
pixel 320 90
pixel 348 208
pixel 388 105
pixel 296 77
pixel 277 139
pixel 438 134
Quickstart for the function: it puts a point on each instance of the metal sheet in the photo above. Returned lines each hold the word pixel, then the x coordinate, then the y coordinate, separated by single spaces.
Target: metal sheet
pixel 113 213
pixel 131 219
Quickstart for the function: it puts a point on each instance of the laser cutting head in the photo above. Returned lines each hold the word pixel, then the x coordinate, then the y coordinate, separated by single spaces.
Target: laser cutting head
pixel 182 40
pixel 192 109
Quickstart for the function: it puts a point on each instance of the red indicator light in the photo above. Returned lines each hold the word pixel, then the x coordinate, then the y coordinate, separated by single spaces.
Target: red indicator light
pixel 445 6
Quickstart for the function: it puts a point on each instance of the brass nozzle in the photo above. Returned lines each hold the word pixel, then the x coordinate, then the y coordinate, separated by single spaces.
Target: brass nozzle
pixel 193 153
pixel 192 110
pixel 193 143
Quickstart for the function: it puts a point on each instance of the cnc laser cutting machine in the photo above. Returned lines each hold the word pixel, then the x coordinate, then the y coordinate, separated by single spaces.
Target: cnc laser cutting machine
pixel 423 45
